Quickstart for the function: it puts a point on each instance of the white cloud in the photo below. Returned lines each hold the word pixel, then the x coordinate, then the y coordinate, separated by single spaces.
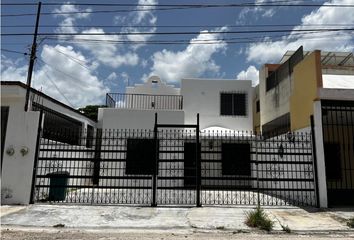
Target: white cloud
pixel 125 77
pixel 140 16
pixel 11 71
pixel 67 24
pixel 76 83
pixel 105 52
pixel 256 12
pixel 106 48
pixel 270 51
pixel 144 63
pixel 193 61
pixel 146 18
pixel 111 77
pixel 250 74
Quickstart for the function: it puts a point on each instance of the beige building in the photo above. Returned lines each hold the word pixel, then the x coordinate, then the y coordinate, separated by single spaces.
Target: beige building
pixel 291 92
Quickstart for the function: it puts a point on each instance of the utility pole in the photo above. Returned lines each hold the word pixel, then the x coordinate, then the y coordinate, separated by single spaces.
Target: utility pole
pixel 32 57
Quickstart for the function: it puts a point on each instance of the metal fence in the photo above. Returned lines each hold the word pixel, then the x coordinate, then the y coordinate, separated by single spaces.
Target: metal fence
pixel 191 168
pixel 338 137
pixel 144 101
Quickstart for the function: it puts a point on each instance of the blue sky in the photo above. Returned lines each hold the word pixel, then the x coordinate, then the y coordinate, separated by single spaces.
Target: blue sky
pixel 79 72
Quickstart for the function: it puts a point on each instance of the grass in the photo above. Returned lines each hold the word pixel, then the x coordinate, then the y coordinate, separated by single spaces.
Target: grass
pixel 350 222
pixel 258 219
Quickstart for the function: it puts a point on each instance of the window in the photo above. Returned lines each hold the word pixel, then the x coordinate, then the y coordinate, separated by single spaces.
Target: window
pixel 332 160
pixel 258 107
pixel 236 159
pixel 141 156
pixel 233 104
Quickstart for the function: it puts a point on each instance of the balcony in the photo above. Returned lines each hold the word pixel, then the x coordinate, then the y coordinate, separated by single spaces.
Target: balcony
pixel 144 101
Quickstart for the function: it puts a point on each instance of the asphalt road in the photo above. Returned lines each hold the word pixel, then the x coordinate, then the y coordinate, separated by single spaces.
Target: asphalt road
pixel 64 234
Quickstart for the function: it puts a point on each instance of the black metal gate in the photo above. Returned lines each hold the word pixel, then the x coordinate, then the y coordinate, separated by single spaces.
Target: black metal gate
pixel 338 140
pixel 175 165
pixel 178 173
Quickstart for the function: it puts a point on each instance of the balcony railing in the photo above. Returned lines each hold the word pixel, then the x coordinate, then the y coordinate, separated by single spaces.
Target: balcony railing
pixel 144 101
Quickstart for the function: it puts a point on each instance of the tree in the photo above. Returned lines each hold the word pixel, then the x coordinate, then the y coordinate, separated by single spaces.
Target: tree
pixel 91 111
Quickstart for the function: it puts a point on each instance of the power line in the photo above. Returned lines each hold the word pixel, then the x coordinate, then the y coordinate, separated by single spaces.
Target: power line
pixel 164 7
pixel 57 88
pixel 216 41
pixel 245 4
pixel 56 69
pixel 181 33
pixel 78 61
pixel 12 51
pixel 128 4
pixel 176 26
pixel 184 40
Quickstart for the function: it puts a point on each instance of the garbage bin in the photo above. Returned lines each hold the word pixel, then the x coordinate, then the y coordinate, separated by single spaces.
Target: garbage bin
pixel 58 185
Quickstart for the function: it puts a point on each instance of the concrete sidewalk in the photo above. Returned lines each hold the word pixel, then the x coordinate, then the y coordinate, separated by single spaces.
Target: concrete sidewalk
pixel 171 218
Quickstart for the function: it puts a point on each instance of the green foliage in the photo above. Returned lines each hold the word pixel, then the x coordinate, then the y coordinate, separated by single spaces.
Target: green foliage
pixel 258 218
pixel 91 111
pixel 350 222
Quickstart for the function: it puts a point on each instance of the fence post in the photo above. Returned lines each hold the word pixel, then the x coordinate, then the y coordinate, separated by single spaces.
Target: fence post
pixel 154 176
pixel 97 157
pixel 198 164
pixel 38 144
pixel 314 160
pixel 258 197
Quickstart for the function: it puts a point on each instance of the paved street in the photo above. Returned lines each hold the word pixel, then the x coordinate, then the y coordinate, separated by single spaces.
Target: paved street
pixel 130 222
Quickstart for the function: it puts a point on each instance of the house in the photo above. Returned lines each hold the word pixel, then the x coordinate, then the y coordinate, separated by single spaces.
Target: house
pixel 19 133
pixel 234 162
pixel 220 103
pixel 318 84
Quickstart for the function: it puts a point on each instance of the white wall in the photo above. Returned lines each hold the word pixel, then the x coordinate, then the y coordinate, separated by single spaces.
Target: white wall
pixel 112 118
pixel 158 88
pixel 203 96
pixel 22 127
pixel 16 175
pixel 338 81
pixel 321 166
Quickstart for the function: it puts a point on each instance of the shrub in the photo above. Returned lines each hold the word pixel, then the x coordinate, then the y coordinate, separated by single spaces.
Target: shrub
pixel 258 218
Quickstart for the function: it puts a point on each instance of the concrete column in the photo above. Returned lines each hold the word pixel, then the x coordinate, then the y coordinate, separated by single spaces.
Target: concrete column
pixel 321 167
pixel 18 159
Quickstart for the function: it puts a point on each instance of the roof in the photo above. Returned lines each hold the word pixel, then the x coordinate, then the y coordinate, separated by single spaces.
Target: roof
pixel 41 94
pixel 328 58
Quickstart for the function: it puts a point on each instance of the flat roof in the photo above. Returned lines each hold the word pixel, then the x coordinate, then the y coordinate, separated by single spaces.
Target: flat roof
pixel 21 84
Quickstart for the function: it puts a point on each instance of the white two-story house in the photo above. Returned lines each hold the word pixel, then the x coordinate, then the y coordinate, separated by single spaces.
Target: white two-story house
pixel 221 104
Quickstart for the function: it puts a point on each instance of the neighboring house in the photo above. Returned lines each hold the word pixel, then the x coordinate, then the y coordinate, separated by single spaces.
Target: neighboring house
pixel 19 137
pixel 223 104
pixel 319 84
